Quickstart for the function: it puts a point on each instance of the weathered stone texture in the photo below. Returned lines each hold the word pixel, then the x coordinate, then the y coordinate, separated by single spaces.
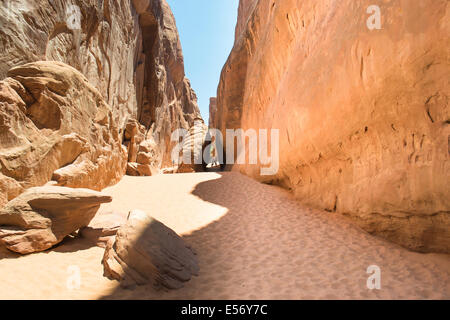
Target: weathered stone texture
pixel 363 114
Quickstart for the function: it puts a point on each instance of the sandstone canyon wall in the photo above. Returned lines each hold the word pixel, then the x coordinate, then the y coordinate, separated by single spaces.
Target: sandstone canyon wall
pixel 363 114
pixel 212 110
pixel 131 76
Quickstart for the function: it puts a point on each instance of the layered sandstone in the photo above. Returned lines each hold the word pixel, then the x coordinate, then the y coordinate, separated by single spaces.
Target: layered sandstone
pixel 191 151
pixel 55 126
pixel 43 216
pixel 165 98
pixel 363 114
pixel 146 251
pixel 129 52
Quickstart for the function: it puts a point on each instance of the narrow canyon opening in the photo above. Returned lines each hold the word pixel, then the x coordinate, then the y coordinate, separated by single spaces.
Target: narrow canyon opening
pixel 334 114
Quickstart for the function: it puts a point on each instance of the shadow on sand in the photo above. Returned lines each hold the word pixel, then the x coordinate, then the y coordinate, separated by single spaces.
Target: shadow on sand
pixel 70 244
pixel 211 243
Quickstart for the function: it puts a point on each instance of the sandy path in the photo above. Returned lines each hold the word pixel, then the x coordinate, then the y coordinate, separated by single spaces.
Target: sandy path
pixel 253 242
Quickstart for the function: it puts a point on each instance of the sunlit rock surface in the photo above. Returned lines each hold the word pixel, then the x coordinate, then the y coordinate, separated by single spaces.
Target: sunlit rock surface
pixel 130 54
pixel 363 114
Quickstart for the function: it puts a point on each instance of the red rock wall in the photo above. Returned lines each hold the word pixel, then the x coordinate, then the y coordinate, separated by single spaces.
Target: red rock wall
pixel 363 114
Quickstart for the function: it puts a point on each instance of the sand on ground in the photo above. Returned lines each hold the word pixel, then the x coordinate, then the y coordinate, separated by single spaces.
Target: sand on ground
pixel 253 241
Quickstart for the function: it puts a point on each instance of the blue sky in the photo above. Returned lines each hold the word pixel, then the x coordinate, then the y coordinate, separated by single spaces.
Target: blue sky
pixel 206 29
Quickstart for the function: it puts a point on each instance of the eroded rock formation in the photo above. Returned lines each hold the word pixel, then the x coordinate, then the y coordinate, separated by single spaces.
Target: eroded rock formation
pixel 130 53
pixel 43 216
pixel 363 114
pixel 143 155
pixel 191 154
pixel 166 101
pixel 55 126
pixel 145 251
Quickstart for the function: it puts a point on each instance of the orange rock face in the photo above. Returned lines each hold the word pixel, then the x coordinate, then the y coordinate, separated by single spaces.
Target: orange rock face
pixel 55 126
pixel 128 50
pixel 166 100
pixel 363 112
pixel 58 124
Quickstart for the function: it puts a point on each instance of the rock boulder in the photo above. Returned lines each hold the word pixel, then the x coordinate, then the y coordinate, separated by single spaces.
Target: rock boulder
pixel 55 126
pixel 42 217
pixel 191 154
pixel 145 251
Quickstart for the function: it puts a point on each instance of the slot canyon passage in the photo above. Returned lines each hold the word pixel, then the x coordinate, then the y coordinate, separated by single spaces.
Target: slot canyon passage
pixel 93 207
